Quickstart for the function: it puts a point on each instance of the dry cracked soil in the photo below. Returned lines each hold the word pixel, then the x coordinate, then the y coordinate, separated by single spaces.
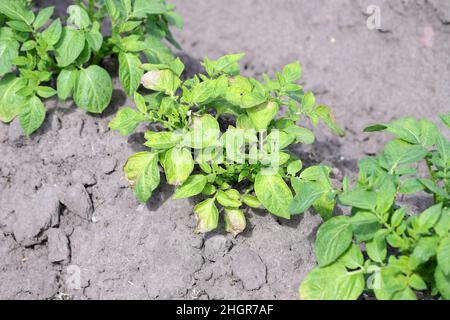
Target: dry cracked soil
pixel 71 228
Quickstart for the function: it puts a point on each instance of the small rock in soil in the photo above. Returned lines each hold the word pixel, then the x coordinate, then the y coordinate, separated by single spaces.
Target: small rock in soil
pixel 16 135
pixel 109 165
pixel 250 269
pixel 36 215
pixel 56 122
pixel 217 246
pixel 84 177
pixel 77 201
pixel 58 246
pixel 197 242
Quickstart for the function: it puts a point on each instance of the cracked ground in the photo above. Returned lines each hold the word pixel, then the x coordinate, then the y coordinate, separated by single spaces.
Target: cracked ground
pixel 71 228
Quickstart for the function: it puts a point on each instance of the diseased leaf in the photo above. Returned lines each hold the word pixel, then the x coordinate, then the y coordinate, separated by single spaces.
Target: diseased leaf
pixel 178 165
pixel 207 216
pixel 235 222
pixel 273 193
pixel 142 172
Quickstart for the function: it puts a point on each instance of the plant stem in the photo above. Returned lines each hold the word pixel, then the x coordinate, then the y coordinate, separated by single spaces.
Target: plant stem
pixel 91 9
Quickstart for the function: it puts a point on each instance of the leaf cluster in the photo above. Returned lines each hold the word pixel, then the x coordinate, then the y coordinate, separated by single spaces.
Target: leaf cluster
pixel 36 51
pixel 380 248
pixel 223 137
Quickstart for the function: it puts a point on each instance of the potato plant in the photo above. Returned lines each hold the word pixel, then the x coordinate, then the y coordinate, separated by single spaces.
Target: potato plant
pixel 223 137
pixel 381 248
pixel 36 49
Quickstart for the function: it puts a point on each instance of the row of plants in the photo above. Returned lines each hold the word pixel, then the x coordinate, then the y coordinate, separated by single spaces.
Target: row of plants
pixel 41 57
pixel 227 140
pixel 381 248
pixel 223 136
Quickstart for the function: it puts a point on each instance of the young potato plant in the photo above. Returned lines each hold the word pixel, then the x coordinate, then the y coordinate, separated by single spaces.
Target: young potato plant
pixel 380 248
pixel 35 49
pixel 222 136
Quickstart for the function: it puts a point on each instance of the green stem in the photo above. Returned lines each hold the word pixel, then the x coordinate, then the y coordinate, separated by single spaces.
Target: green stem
pixel 91 9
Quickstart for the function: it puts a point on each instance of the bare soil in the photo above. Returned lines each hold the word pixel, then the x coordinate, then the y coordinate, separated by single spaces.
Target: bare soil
pixel 71 228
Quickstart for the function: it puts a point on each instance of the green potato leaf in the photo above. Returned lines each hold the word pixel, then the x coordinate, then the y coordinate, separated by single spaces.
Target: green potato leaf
pixel 442 283
pixel 126 121
pixel 89 95
pixel 32 116
pixel 332 283
pixel 334 237
pixel 162 140
pixel 262 115
pixel 193 186
pixel 308 193
pixel 10 101
pixel 16 10
pixel 69 46
pixel 43 16
pixel 66 83
pixel 443 255
pixel 225 200
pixel 53 33
pixel 130 73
